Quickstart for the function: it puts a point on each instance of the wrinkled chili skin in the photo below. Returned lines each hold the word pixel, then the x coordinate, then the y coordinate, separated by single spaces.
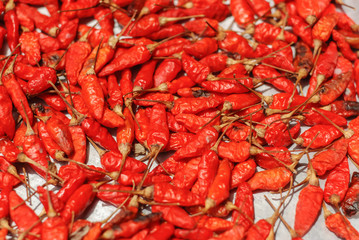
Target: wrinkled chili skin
pixel 350 204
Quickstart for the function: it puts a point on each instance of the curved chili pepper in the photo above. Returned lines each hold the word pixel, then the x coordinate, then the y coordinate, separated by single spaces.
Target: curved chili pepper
pixel 350 202
pixel 340 225
pixel 11 25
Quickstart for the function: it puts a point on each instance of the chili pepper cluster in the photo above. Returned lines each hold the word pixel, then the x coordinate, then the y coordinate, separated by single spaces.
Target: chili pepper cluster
pixel 173 80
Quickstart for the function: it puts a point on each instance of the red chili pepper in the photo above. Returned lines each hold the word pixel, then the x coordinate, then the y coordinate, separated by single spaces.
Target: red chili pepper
pixel 201 48
pixel 308 206
pixel 196 71
pixel 115 198
pixel 272 179
pixel 267 34
pixel 201 142
pixel 12 25
pixel 68 33
pixel 78 202
pixel 327 134
pixel 170 47
pixel 30 47
pixel 242 12
pixel 16 94
pixel 23 216
pixel 175 215
pixel 340 225
pixel 167 71
pixel 75 58
pixel 129 58
pixel 144 78
pixel 244 201
pixel 279 82
pixel 324 68
pixel 337 183
pixel 350 202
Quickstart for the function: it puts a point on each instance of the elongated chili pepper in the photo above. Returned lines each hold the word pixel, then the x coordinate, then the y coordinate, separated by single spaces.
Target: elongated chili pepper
pixel 328 159
pixel 129 228
pixel 327 134
pixel 196 71
pixel 272 179
pixel 339 225
pixel 323 29
pixel 202 141
pixel 67 33
pixel 16 94
pixel 244 201
pixel 324 68
pixel 186 177
pixel 350 202
pixel 81 49
pixel 219 189
pixel 175 215
pixel 11 25
pixel 234 151
pixel 30 47
pixel 78 202
pixel 144 78
pixel 267 33
pixel 131 57
pixel 167 71
pixel 23 216
pixel 280 83
pixel 242 172
pixel 242 12
pixel 309 204
pixel 337 183
pixel 115 198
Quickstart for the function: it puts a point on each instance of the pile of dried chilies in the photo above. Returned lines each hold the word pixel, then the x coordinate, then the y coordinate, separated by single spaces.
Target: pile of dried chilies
pixel 173 80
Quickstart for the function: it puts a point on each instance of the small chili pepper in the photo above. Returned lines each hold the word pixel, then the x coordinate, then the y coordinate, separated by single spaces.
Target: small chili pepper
pixel 175 215
pixel 272 179
pixel 16 94
pixel 115 198
pixel 78 202
pixel 131 227
pixel 195 70
pixel 350 202
pixel 267 34
pixel 242 172
pixel 166 71
pixel 242 12
pixel 11 25
pixel 244 201
pixel 327 134
pixel 201 142
pixel 186 177
pixel 144 78
pixel 23 216
pixel 322 30
pixel 339 225
pixel 344 46
pixel 234 151
pixel 219 189
pixel 280 83
pixel 47 43
pixel 30 47
pixel 328 159
pixel 324 68
pixel 68 33
pixel 75 57
pixel 337 183
pixel 309 205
